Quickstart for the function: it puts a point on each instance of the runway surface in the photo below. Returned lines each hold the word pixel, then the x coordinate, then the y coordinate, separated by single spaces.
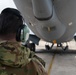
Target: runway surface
pixel 58 62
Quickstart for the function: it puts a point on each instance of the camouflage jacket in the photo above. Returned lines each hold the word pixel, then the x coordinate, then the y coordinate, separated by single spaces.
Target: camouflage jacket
pixel 19 60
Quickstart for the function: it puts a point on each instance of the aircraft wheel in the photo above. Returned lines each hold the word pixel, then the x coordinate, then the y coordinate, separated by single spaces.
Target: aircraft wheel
pixel 32 47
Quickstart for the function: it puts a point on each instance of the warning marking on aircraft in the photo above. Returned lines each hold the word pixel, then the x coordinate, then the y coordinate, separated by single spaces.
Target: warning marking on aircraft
pixel 51 63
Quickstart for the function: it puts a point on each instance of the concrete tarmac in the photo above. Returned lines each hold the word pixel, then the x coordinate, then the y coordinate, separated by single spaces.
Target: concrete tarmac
pixel 58 62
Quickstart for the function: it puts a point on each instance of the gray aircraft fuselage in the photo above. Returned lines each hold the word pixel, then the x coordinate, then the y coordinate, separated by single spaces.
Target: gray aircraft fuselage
pixel 51 20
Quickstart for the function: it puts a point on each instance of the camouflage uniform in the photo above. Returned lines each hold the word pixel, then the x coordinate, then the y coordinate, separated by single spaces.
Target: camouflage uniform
pixel 19 60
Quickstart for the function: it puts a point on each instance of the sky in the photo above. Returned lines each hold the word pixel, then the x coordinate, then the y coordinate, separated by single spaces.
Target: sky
pixel 6 3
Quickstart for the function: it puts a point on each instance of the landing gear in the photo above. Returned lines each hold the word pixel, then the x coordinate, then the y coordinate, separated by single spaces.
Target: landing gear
pixel 47 47
pixel 58 45
pixel 31 46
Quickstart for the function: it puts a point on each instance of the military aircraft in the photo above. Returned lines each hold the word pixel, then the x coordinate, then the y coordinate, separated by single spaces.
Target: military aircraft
pixel 51 20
